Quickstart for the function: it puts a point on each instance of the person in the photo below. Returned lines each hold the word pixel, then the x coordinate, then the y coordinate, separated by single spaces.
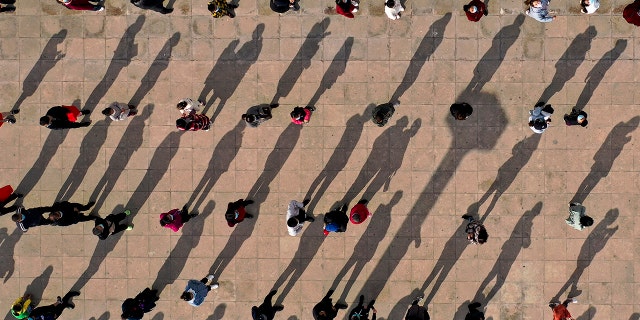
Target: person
pixel 8 116
pixel 577 216
pixel 193 122
pixel 236 212
pixel 81 5
pixel 7 193
pixel 361 312
pixel 474 313
pixel 282 6
pixel 64 117
pixel 135 308
pixel 187 106
pixel 296 216
pixel 417 312
pixel 120 111
pixel 336 220
pixel 111 225
pixel 325 309
pixel 560 311
pixel 540 117
pixel 22 307
pixel 393 9
pixel 382 113
pixel 176 218
pixel 28 218
pixel 461 111
pixel 359 213
pixel 5 8
pixel 576 117
pixel 154 5
pixel 256 115
pixel 589 6
pixel 220 8
pixel 301 115
pixel 54 311
pixel 195 291
pixel 66 213
pixel 539 10
pixel 476 232
pixel 266 311
pixel 631 13
pixel 475 10
pixel 346 7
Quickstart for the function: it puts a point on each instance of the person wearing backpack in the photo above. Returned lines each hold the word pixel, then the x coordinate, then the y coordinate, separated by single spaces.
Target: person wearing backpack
pixel 336 220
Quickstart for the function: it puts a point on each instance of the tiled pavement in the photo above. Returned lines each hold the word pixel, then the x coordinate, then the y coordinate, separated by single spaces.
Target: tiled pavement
pixel 424 170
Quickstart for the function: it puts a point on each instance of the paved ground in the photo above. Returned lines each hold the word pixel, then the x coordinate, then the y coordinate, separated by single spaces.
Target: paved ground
pixel 421 171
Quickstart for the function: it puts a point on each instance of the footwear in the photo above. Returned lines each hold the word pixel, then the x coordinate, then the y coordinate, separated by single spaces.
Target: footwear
pixel 11 120
pixel 341 306
pixel 215 285
pixel 86 111
pixel 354 10
pixel 312 108
pixel 278 308
pixel 210 277
pixel 247 202
pixel 16 111
pixel 130 227
pixel 232 15
pixel 127 212
pixel 167 10
pixel 201 102
pixel 233 6
pixel 248 216
pixel 311 219
pixel 274 105
pixel 305 202
pixel 296 6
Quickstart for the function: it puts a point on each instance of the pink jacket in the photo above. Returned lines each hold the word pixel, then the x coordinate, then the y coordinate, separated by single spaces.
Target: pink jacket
pixel 307 116
pixel 177 223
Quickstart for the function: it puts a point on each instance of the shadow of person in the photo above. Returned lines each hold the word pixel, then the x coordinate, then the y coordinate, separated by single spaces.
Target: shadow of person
pixel 36 288
pixel 229 70
pixel 588 314
pixel 7 250
pixel 218 313
pixel 158 316
pixel 605 156
pixel 595 242
pixel 635 316
pixel 334 71
pixel 104 316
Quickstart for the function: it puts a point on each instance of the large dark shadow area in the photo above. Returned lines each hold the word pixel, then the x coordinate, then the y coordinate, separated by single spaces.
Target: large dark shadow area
pixel 595 242
pixel 35 288
pixel 218 313
pixel 605 156
pixel 104 316
pixel 229 70
pixel 122 56
pixel 335 70
pixel 7 249
pixel 588 314
pixel 48 59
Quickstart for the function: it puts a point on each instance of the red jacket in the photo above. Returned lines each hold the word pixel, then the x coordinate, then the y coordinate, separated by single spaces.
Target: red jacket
pixel 630 13
pixel 345 9
pixel 560 312
pixel 362 211
pixel 475 17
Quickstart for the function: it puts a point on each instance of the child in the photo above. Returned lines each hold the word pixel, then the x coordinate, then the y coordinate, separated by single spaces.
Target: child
pixel 301 115
pixel 175 218
pixel 120 111
pixel 219 8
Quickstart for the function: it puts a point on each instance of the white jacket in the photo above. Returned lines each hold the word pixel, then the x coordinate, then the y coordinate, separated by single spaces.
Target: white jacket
pixel 293 211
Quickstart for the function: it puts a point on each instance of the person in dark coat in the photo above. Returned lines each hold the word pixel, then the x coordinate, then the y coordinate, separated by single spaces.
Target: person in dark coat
pixel 361 312
pixel 631 13
pixel 64 117
pixel 135 308
pixel 474 313
pixel 54 311
pixel 111 225
pixel 417 312
pixel 28 218
pixel 325 309
pixel 153 5
pixel 66 213
pixel 266 311
pixel 382 113
pixel 236 212
pixel 336 220
pixel 282 6
pixel 461 111
pixel 576 117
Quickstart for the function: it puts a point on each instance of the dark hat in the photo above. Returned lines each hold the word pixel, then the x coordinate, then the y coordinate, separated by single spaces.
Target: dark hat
pixel 540 124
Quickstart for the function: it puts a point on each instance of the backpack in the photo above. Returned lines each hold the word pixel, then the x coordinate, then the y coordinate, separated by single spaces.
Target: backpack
pixel 298 113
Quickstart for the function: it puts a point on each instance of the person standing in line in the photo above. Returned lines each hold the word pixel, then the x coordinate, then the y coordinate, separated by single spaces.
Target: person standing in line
pixel 195 291
pixel 81 5
pixel 361 312
pixel 296 216
pixel 539 10
pixel 336 220
pixel 461 111
pixel 220 8
pixel 631 13
pixel 12 8
pixel 301 115
pixel 256 115
pixel 22 307
pixel 560 311
pixel 576 117
pixel 176 218
pixel 359 213
pixel 577 216
pixel 540 117
pixel 266 311
pixel 135 308
pixel 382 113
pixel 474 313
pixel 111 225
pixel 236 212
pixel 589 6
pixel 282 6
pixel 417 312
pixel 120 111
pixel 28 218
pixel 476 232
pixel 393 9
pixel 54 311
pixel 153 5
pixel 193 122
pixel 346 8
pixel 66 213
pixel 475 10
pixel 325 309
pixel 188 105
pixel 64 117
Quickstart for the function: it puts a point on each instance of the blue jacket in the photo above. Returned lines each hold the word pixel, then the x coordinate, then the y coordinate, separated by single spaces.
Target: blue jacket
pixel 199 291
pixel 542 13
